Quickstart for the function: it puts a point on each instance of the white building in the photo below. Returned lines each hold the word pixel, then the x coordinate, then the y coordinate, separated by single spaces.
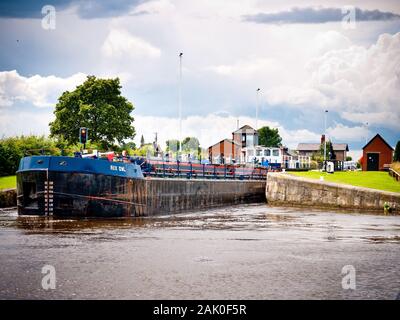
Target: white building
pixel 280 157
pixel 260 154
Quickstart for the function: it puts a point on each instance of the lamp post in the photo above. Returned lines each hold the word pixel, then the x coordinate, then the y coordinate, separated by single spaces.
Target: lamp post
pixel 180 103
pixel 325 113
pixel 366 132
pixel 257 105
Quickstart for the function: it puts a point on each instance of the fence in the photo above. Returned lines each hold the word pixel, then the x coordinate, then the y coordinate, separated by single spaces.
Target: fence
pixel 196 170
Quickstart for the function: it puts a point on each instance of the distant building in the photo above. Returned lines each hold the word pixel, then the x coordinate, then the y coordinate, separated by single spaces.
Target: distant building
pixel 246 136
pixel 230 150
pixel 260 154
pixel 243 148
pixel 226 151
pixel 339 149
pixel 377 154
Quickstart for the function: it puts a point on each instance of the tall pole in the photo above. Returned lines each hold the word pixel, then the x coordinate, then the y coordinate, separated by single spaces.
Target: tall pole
pixel 257 105
pixel 180 103
pixel 326 111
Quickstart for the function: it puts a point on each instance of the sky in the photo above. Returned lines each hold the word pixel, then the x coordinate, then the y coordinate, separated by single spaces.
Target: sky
pixel 305 56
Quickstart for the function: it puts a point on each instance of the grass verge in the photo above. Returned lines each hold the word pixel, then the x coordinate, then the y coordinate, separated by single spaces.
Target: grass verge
pixel 368 179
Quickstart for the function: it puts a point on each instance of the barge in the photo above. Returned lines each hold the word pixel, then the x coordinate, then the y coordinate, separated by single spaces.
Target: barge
pixel 86 187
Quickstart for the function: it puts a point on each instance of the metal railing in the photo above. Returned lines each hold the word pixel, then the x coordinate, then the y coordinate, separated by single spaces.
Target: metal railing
pixel 201 171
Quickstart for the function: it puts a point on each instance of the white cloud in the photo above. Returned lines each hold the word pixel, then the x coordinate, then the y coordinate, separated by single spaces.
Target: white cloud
pixel 120 43
pixel 342 133
pixel 154 7
pixel 330 40
pixel 38 90
pixel 246 68
pixel 360 83
pixel 25 123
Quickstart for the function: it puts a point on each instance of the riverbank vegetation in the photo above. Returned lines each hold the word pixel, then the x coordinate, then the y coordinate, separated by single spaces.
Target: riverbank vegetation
pixel 368 179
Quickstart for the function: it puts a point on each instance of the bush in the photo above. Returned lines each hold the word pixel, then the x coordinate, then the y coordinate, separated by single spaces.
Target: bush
pixel 313 165
pixel 14 148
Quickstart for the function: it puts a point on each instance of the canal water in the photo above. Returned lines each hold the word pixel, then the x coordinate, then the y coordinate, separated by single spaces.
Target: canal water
pixel 239 252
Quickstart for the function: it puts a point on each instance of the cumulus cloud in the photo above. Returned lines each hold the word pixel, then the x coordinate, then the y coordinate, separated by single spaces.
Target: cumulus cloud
pixel 343 133
pixel 317 15
pixel 245 68
pixel 38 90
pixel 360 83
pixel 120 43
pixel 25 123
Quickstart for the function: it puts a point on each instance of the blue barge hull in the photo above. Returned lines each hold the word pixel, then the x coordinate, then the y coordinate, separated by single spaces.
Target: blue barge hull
pixel 66 186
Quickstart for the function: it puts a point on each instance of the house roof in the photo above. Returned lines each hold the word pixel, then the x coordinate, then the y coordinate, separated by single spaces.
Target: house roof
pixel 227 140
pixel 340 147
pixel 308 146
pixel 245 128
pixel 316 146
pixel 380 137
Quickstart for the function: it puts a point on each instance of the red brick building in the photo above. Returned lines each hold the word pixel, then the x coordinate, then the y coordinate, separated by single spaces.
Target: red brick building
pixel 230 150
pixel 225 151
pixel 376 154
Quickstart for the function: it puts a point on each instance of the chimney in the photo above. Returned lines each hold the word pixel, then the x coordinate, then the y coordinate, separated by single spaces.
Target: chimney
pixel 323 139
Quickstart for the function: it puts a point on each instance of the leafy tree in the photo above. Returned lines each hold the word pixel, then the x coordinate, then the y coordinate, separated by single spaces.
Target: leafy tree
pixel 172 145
pixel 348 158
pixel 269 137
pixel 396 156
pixel 98 105
pixel 319 156
pixel 190 144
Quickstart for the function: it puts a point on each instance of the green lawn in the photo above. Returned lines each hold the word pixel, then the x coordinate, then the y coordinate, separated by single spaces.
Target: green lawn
pixel 8 182
pixel 368 179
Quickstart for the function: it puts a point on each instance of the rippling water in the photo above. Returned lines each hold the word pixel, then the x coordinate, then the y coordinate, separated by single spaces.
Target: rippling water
pixel 240 252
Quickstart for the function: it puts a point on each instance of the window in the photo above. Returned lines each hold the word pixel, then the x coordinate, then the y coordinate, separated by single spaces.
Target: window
pixel 258 153
pixel 275 153
pixel 243 137
pixel 267 152
pixel 250 141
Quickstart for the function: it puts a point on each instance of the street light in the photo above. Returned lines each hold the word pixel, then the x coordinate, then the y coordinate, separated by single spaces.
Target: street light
pixel 257 103
pixel 180 103
pixel 325 113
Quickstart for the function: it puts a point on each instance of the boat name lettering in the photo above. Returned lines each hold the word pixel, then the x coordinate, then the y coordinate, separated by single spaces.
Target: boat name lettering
pixel 117 168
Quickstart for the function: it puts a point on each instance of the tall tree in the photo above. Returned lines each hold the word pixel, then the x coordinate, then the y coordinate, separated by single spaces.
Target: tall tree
pixel 98 105
pixel 190 144
pixel 396 156
pixel 172 145
pixel 142 141
pixel 269 137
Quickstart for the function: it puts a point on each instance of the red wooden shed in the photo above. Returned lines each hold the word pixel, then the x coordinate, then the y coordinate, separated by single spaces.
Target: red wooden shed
pixel 377 154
